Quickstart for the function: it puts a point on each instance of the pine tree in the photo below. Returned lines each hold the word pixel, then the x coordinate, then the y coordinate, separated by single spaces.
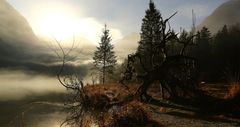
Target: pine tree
pixel 150 34
pixel 156 64
pixel 203 51
pixel 227 50
pixel 104 57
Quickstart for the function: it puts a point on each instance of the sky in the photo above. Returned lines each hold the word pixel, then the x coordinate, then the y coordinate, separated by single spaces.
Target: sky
pixel 86 17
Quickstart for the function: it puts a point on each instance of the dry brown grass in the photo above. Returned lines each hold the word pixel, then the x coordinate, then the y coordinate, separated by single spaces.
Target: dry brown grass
pixel 104 95
pixel 100 99
pixel 232 100
pixel 131 114
pixel 217 90
pixel 100 96
pixel 233 91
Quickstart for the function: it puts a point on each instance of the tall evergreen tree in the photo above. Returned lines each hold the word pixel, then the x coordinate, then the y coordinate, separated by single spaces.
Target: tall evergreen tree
pixel 203 51
pixel 175 73
pixel 227 49
pixel 104 57
pixel 150 34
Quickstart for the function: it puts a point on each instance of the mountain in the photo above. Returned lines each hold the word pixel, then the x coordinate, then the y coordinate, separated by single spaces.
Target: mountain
pixel 13 26
pixel 226 14
pixel 19 47
pixel 17 39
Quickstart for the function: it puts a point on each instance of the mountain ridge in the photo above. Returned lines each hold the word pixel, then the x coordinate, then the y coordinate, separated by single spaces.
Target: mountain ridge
pixel 13 26
pixel 226 14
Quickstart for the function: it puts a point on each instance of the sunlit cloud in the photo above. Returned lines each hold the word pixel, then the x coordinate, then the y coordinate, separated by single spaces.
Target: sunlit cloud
pixel 62 22
pixel 91 29
pixel 62 27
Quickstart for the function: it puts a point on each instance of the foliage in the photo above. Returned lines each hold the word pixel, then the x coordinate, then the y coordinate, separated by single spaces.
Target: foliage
pixel 227 49
pixel 104 57
pixel 218 53
pixel 202 52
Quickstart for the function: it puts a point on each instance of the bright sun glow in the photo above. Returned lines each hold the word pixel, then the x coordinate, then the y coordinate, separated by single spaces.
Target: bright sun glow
pixel 60 26
pixel 63 23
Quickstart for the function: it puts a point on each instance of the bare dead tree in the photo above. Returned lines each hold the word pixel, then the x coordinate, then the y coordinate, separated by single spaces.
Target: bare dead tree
pixel 80 106
pixel 175 74
pixel 73 83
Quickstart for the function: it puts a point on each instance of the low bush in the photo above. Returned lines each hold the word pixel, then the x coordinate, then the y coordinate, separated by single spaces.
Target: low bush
pixel 233 91
pixel 131 114
pixel 232 99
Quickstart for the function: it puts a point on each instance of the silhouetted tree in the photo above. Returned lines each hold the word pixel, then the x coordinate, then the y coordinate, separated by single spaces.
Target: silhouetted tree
pixel 186 39
pixel 227 50
pixel 173 73
pixel 203 50
pixel 150 34
pixel 104 57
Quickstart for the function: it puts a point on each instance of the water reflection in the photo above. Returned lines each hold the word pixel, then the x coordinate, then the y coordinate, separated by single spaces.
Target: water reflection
pixel 29 112
pixel 39 119
pixel 48 120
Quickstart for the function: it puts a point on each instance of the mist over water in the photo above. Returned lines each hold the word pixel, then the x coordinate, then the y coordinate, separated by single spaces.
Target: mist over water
pixel 35 101
pixel 17 85
pixel 48 120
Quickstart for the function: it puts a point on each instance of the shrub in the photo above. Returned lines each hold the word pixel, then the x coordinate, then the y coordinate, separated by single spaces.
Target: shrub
pixel 131 114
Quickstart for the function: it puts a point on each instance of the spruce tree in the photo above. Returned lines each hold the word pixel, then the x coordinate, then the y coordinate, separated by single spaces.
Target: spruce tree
pixel 104 57
pixel 203 51
pixel 227 50
pixel 150 34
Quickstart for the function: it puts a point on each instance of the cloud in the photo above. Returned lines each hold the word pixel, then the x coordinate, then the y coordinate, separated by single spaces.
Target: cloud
pixel 91 29
pixel 39 60
pixel 63 19
pixel 127 45
pixel 21 50
pixel 124 15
